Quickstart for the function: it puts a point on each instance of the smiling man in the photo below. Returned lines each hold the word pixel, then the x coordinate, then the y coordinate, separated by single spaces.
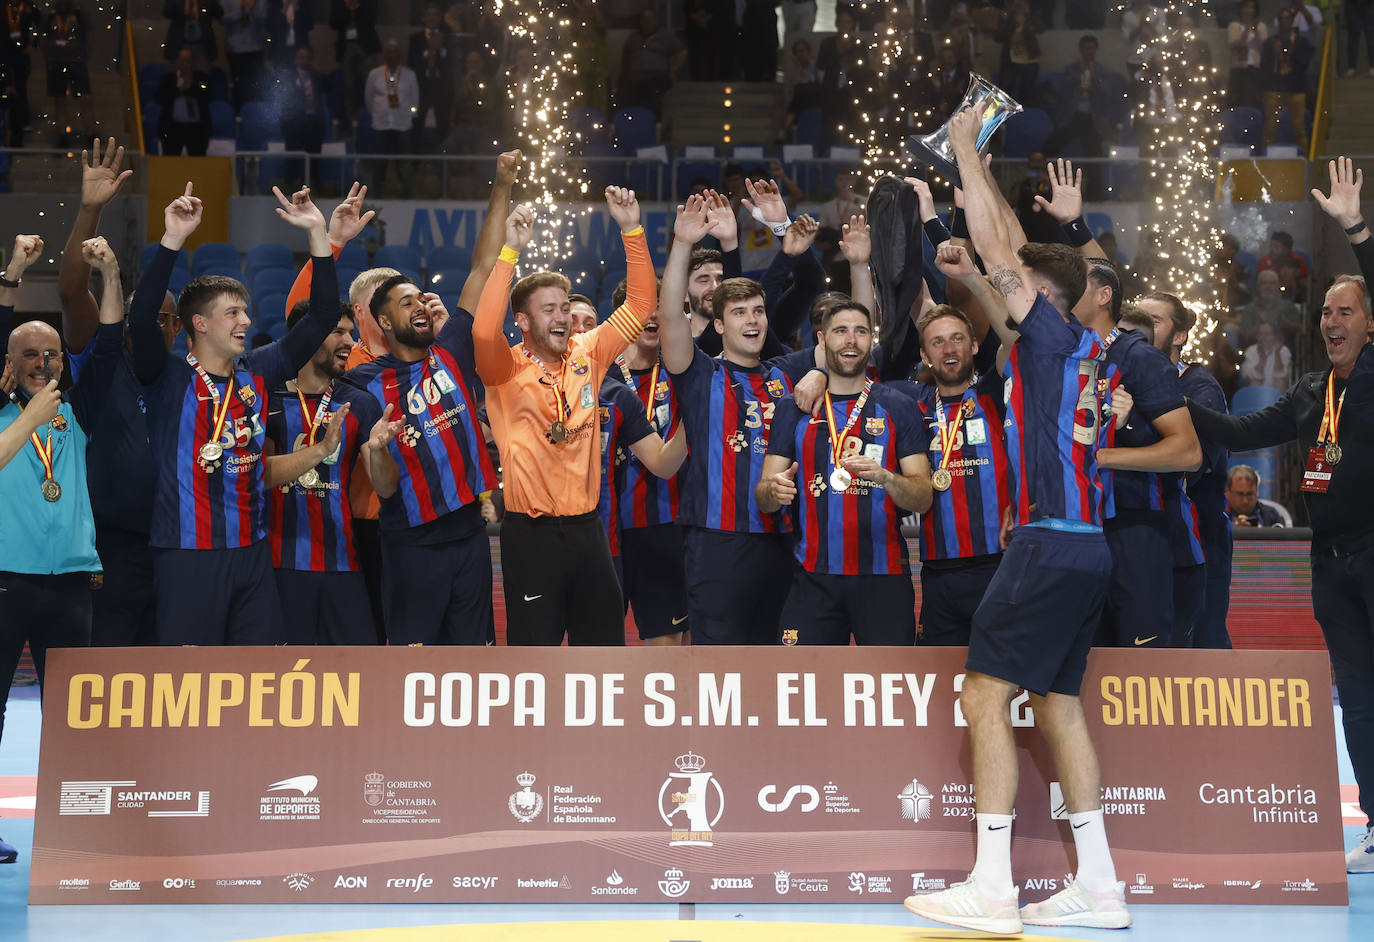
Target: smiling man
pixel 1331 412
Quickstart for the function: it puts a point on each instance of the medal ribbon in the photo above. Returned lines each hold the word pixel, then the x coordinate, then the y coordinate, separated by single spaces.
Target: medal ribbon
pixel 948 430
pixel 556 381
pixel 220 411
pixel 44 454
pixel 1331 416
pixel 312 426
pixel 653 384
pixel 837 441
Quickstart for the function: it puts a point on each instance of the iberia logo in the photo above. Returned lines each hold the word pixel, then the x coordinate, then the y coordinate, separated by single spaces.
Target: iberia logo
pixel 875 425
pixel 776 388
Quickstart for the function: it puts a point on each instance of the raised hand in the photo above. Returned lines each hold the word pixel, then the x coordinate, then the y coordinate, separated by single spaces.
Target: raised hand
pixel 783 485
pixel 333 432
pixel 724 224
pixel 954 261
pixel 1066 192
pixel 693 222
pixel 101 177
pixel 800 235
pixel 299 210
pixel 43 406
pixel 1122 404
pixel 7 380
pixel 1343 205
pixel 508 167
pixel 924 199
pixel 520 227
pixel 180 219
pixel 857 242
pixel 27 250
pixel 624 207
pixel 98 254
pixel 766 197
pixel 348 218
pixel 384 429
pixel 434 308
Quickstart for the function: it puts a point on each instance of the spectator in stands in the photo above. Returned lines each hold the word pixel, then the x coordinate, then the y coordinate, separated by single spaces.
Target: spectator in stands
pixel 245 41
pixel 804 86
pixel 434 60
pixel 184 94
pixel 835 60
pixel 1269 307
pixel 1086 104
pixel 301 99
pixel 845 203
pixel 951 77
pixel 1242 502
pixel 1284 64
pixel 1359 20
pixel 1019 34
pixel 475 107
pixel 1141 24
pixel 649 63
pixel 798 17
pixel 392 96
pixel 356 46
pixel 732 177
pixel 711 30
pixel 593 53
pixel 289 23
pixel 1246 38
pixel 16 49
pixel 758 41
pixel 791 193
pixel 1233 279
pixel 1281 255
pixel 1110 251
pixel 1268 361
pixel 67 51
pixel 1033 177
pixel 1306 17
pixel 191 23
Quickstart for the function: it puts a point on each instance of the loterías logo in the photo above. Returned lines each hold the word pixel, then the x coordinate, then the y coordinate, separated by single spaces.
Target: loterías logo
pixel 691 796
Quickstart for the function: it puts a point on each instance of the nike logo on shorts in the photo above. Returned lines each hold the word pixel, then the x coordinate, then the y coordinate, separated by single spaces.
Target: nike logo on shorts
pixel 678 621
pixel 1140 641
pixel 531 598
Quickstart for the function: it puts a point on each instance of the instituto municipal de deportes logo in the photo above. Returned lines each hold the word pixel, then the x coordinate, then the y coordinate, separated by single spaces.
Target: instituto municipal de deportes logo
pixel 526 803
pixel 690 801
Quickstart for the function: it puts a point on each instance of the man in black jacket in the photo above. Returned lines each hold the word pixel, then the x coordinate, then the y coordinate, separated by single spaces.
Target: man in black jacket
pixel 184 94
pixel 1331 413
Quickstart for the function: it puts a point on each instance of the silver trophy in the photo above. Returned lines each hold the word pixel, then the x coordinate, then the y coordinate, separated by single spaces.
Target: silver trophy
pixel 994 105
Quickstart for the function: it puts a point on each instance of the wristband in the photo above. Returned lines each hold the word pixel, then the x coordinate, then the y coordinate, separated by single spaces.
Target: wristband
pixel 958 225
pixel 936 232
pixel 1353 230
pixel 637 230
pixel 509 254
pixel 6 283
pixel 1078 232
pixel 779 228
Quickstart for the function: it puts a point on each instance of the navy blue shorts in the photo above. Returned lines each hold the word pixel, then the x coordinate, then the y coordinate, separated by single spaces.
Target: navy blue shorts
pixel 949 597
pixel 438 593
pixel 654 581
pixel 827 609
pixel 124 606
pixel 1037 621
pixel 325 607
pixel 1140 603
pixel 1190 590
pixel 736 585
pixel 217 597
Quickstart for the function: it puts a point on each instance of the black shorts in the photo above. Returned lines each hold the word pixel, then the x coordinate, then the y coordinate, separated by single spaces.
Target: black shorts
pixel 438 593
pixel 654 581
pixel 1190 591
pixel 64 77
pixel 559 580
pixel 217 597
pixel 949 597
pixel 827 609
pixel 325 608
pixel 736 585
pixel 1037 620
pixel 124 605
pixel 1140 603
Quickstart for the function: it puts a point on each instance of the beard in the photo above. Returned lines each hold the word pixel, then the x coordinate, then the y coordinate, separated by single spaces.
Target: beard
pixel 958 375
pixel 838 366
pixel 410 337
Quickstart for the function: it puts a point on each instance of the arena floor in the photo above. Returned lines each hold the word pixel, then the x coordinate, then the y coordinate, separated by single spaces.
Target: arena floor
pixel 665 922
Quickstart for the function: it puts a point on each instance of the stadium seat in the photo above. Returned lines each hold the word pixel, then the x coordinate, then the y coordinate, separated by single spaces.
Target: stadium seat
pixel 270 308
pixel 178 280
pixel 809 127
pixel 223 121
pixel 1253 398
pixel 634 128
pixel 219 84
pixel 267 255
pixel 149 78
pixel 1026 132
pixel 1243 126
pixel 345 276
pixel 449 256
pixel 219 254
pixel 152 111
pixel 354 255
pixel 444 280
pixel 268 281
pixel 399 257
pixel 1099 223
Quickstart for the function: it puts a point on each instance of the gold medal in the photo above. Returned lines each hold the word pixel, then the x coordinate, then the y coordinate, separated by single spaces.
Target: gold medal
pixel 51 490
pixel 309 478
pixel 1333 454
pixel 840 479
pixel 940 479
pixel 558 431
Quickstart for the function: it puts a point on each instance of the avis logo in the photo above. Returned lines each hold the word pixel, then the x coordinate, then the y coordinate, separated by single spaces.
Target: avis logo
pixel 811 798
pixel 673 885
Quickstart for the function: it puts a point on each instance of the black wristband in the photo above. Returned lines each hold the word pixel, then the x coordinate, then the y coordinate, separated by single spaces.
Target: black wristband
pixel 936 232
pixel 1078 232
pixel 958 225
pixel 6 283
pixel 1353 230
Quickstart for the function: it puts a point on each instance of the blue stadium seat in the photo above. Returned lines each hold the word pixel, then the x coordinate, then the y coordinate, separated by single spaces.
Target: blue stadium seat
pixel 178 281
pixel 354 255
pixel 1026 132
pixel 149 77
pixel 449 256
pixel 219 84
pixel 270 308
pixel 276 329
pixel 399 257
pixel 346 276
pixel 267 255
pixel 1253 398
pixel 260 123
pixel 219 254
pixel 634 128
pixel 152 111
pixel 220 269
pixel 1099 223
pixel 1242 126
pixel 445 280
pixel 269 281
pixel 412 273
pixel 809 127
pixel 223 121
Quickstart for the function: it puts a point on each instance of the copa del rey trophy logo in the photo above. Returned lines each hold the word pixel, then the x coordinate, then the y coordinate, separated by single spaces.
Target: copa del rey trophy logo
pixel 690 801
pixel 526 803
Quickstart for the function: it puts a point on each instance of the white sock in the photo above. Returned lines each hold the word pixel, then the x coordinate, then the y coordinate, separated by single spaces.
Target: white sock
pixel 992 866
pixel 1096 872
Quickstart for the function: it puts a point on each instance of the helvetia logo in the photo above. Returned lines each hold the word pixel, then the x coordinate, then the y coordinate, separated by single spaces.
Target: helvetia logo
pixel 673 884
pixel 525 804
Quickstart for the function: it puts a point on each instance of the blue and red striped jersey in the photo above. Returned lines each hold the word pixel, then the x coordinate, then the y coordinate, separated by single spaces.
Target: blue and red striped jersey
pixel 1053 416
pixel 1152 381
pixel 311 528
pixel 441 453
pixel 1185 539
pixel 647 500
pixel 727 410
pixel 965 520
pixel 622 424
pixel 857 531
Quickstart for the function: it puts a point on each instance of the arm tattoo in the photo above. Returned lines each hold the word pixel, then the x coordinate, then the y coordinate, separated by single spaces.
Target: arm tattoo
pixel 1006 281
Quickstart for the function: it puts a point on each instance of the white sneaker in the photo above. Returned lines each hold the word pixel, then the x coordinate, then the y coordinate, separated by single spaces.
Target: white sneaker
pixel 965 905
pixel 1361 857
pixel 1075 906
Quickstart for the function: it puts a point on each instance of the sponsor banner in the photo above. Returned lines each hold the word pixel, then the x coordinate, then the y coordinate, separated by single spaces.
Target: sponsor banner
pixel 250 775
